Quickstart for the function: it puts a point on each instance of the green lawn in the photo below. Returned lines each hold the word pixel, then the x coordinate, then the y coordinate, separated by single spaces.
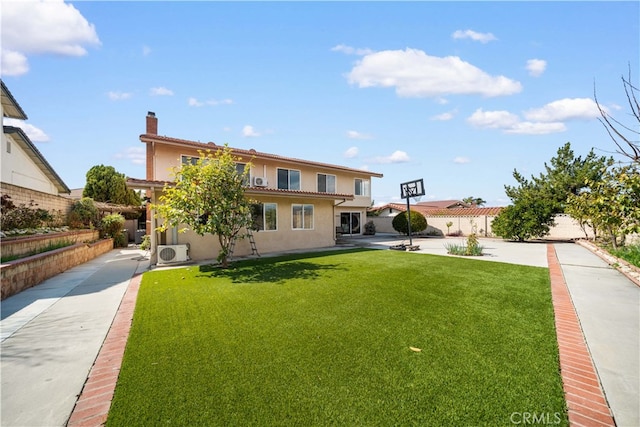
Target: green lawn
pixel 324 339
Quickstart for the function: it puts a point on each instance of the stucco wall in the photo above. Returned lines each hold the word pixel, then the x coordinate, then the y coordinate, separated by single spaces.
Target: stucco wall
pixel 565 228
pixel 284 238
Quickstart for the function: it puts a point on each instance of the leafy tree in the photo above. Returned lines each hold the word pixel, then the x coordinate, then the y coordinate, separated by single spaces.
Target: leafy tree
pixel 610 204
pixel 105 184
pixel 401 224
pixel 478 201
pixel 208 197
pixel 535 202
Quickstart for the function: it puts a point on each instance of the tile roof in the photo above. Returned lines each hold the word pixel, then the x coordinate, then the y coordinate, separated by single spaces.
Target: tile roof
pixel 250 153
pixel 431 211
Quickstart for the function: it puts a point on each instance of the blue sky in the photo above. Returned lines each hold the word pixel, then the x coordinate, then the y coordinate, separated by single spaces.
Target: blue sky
pixel 456 93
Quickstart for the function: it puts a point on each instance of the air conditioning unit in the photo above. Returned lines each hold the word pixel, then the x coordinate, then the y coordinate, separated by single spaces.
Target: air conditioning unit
pixel 259 181
pixel 172 253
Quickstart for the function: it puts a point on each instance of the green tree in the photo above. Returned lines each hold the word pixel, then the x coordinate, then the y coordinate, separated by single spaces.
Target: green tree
pixel 208 197
pixel 401 224
pixel 105 184
pixel 478 201
pixel 536 201
pixel 610 204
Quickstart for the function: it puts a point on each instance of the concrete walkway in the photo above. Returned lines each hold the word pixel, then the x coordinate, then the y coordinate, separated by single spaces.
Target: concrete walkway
pixel 52 333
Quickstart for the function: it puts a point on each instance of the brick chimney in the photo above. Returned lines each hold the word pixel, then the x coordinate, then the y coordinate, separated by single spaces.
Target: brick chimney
pixel 152 123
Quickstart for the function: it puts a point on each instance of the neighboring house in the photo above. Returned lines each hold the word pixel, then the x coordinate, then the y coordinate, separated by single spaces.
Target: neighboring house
pixel 303 202
pixel 26 176
pixel 465 218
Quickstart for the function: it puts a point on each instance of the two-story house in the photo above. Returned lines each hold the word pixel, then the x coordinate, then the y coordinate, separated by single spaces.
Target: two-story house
pixel 301 202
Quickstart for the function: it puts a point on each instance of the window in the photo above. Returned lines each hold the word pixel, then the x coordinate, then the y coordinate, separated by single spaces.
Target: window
pixel 288 179
pixel 240 170
pixel 265 216
pixel 302 217
pixel 189 160
pixel 362 187
pixel 326 183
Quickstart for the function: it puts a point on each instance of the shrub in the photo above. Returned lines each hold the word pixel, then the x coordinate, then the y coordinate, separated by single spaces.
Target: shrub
pixel 112 225
pixel 23 217
pixel 121 240
pixel 84 214
pixel 472 248
pixel 146 242
pixel 401 224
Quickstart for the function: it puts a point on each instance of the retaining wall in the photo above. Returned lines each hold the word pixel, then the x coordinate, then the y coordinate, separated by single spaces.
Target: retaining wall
pixel 15 246
pixel 24 273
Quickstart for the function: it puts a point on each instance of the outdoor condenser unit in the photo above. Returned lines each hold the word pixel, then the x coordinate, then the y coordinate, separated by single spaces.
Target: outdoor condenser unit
pixel 172 253
pixel 259 181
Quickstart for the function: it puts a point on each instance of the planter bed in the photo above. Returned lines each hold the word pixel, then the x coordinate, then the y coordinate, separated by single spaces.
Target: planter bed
pixel 27 272
pixel 16 246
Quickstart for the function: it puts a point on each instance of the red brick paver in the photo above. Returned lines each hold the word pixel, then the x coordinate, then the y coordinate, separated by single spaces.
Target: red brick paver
pixel 585 399
pixel 94 402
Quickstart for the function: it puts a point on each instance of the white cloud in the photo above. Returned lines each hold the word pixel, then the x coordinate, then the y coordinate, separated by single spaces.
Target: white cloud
pixel 351 50
pixel 351 152
pixel 536 128
pixel 473 35
pixel 137 155
pixel 35 134
pixel 565 109
pixel 41 27
pixel 118 96
pixel 14 63
pixel 248 131
pixel 161 91
pixel 413 73
pixel 493 119
pixel 444 116
pixel 511 123
pixel 352 134
pixel 194 102
pixel 536 67
pixel 146 50
pixel 461 160
pixel 395 157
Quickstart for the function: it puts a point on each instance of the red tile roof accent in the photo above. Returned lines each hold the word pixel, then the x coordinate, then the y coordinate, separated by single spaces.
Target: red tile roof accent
pixel 430 211
pixel 250 153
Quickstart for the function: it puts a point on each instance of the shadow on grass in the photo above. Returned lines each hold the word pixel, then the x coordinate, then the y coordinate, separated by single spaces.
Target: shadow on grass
pixel 276 269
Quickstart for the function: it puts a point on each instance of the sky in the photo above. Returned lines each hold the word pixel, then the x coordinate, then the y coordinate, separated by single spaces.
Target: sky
pixel 459 94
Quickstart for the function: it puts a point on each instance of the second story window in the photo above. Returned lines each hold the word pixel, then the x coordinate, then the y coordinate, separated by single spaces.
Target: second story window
pixel 326 183
pixel 288 179
pixel 361 187
pixel 240 170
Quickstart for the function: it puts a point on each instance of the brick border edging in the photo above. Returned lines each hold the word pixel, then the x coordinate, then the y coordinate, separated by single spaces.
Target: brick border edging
pixel 94 402
pixel 586 402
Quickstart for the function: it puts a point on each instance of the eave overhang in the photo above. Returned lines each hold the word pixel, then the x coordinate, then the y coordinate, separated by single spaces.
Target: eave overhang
pixel 34 154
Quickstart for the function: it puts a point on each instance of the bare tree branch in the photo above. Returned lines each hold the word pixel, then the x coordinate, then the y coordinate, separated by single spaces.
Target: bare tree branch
pixel 618 131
